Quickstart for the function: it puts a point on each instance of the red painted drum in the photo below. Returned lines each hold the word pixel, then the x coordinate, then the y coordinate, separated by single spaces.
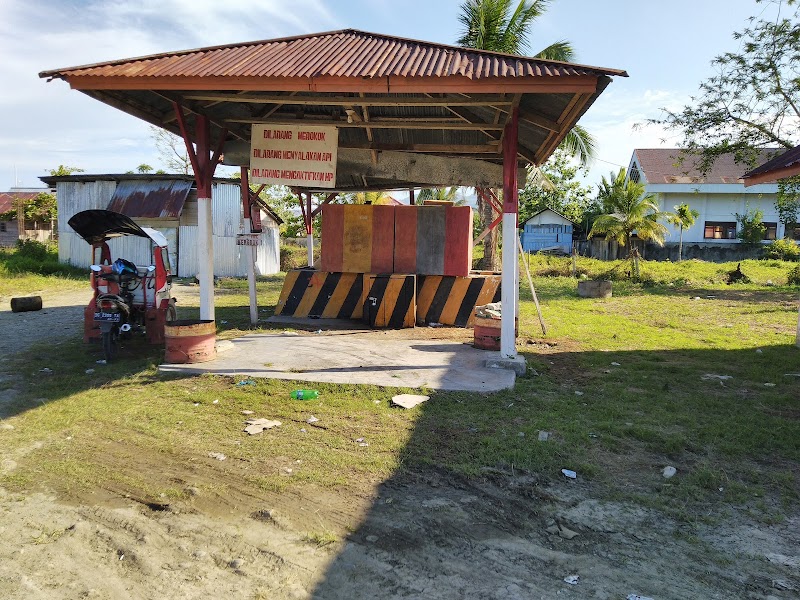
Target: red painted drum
pixel 487 333
pixel 190 341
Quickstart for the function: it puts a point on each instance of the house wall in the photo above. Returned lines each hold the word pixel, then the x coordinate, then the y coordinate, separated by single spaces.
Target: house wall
pixel 227 221
pixel 547 230
pixel 717 206
pixel 9 233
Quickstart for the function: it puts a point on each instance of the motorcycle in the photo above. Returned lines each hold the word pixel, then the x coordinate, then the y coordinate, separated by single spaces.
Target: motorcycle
pixel 126 299
pixel 117 314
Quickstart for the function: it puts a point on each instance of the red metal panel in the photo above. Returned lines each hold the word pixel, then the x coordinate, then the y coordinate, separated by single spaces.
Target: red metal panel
pixel 383 240
pixel 150 199
pixel 332 238
pixel 510 185
pixel 458 241
pixel 405 239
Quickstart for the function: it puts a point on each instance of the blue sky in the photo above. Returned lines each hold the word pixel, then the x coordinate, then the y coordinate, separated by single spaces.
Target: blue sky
pixel 665 47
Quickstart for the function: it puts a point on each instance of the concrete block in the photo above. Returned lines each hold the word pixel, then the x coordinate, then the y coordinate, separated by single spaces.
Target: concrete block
pixel 517 364
pixel 591 288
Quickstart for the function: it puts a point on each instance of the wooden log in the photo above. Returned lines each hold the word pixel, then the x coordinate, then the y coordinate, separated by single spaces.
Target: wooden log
pixel 26 303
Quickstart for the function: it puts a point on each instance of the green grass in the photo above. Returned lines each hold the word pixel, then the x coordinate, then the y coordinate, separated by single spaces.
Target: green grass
pixel 34 267
pixel 733 441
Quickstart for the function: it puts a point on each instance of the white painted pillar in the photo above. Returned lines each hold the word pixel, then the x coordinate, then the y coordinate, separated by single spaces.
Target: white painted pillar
pixel 205 258
pixel 310 247
pixel 250 253
pixel 510 287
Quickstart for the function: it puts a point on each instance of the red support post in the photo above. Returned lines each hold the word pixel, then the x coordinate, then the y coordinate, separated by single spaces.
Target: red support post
pixel 302 207
pixel 309 215
pixel 245 189
pixel 510 190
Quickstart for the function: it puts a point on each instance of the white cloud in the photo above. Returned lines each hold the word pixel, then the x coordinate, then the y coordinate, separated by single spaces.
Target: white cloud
pixel 44 124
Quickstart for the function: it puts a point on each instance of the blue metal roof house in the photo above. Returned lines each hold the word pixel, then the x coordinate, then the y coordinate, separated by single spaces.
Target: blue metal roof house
pixel 547 230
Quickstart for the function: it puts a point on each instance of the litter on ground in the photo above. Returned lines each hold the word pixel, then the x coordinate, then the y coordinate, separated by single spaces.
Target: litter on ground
pixel 255 426
pixel 409 400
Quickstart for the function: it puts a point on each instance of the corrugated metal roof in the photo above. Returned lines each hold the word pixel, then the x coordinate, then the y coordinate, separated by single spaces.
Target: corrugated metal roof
pixel 789 160
pixel 8 199
pixel 347 53
pixel 150 199
pixel 664 165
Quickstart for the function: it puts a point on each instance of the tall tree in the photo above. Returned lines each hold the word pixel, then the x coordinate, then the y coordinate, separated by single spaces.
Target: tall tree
pixel 787 203
pixel 753 100
pixel 566 195
pixel 627 209
pixel 172 151
pixel 500 26
pixel 683 217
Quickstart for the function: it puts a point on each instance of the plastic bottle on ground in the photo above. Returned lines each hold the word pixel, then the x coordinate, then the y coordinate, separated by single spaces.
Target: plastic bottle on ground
pixel 305 394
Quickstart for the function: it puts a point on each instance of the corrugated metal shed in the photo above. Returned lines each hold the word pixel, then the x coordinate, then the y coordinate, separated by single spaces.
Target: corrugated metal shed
pixel 81 192
pixel 150 199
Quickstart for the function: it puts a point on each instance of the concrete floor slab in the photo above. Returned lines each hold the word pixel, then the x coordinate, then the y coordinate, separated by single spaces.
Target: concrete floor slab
pixel 358 357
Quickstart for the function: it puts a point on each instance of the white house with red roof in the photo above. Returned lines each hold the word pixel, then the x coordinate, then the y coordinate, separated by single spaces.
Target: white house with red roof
pixel 718 195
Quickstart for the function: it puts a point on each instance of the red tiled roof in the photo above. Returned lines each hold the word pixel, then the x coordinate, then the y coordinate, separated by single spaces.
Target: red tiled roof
pixel 7 199
pixel 347 53
pixel 663 165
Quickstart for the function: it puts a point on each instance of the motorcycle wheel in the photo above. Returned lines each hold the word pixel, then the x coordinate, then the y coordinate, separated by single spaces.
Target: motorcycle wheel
pixel 109 345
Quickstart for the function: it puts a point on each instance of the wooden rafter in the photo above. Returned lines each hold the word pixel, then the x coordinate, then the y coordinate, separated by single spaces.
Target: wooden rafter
pixel 377 123
pixel 361 100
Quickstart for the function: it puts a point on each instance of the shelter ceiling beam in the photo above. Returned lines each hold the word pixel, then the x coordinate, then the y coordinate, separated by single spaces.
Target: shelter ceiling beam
pixel 146 113
pixel 570 115
pixel 575 84
pixel 468 116
pixel 370 138
pixel 378 123
pixel 419 168
pixel 172 116
pixel 344 101
pixel 237 153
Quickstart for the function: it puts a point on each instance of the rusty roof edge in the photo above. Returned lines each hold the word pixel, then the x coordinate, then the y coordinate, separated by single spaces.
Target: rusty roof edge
pixel 783 160
pixel 50 179
pixel 61 72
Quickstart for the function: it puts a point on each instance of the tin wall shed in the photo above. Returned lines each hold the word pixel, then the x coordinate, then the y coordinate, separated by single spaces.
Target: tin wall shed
pixel 82 192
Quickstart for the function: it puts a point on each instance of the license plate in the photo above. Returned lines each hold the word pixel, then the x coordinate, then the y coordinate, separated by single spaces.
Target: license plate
pixel 107 317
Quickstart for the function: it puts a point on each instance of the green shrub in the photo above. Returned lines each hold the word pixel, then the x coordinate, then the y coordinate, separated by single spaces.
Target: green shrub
pixel 794 276
pixel 36 250
pixel 296 256
pixel 782 250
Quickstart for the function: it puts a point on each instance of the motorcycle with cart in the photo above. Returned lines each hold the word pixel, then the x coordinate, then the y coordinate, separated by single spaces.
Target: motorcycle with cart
pixel 126 298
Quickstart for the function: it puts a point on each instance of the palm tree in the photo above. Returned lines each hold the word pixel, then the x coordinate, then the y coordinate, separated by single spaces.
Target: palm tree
pixel 493 25
pixel 627 209
pixel 444 194
pixel 683 217
pixel 375 198
pixel 498 26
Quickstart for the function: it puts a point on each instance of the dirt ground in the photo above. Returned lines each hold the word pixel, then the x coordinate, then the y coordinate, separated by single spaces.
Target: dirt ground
pixel 417 535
